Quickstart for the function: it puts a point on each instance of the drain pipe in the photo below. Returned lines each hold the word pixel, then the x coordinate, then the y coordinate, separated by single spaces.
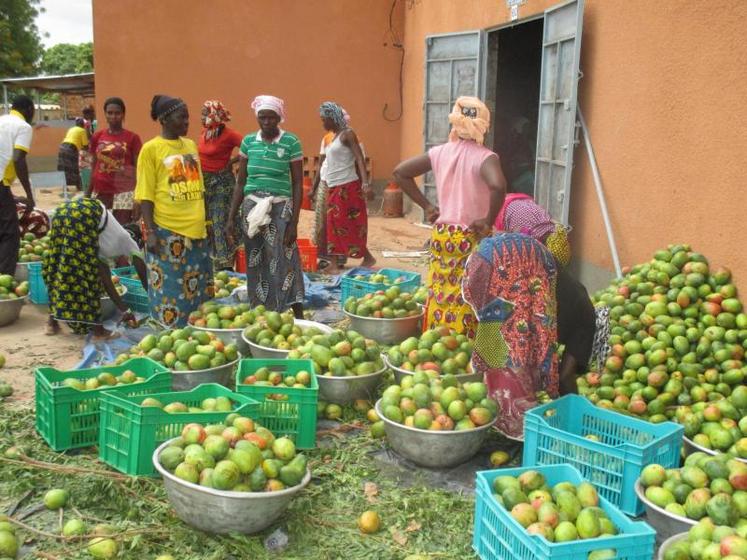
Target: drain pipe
pixel 600 194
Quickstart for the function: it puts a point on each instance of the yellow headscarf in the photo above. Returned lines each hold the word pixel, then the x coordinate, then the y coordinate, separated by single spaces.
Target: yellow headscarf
pixel 470 119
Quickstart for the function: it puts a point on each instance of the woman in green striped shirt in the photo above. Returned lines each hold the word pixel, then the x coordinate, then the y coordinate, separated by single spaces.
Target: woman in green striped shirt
pixel 268 190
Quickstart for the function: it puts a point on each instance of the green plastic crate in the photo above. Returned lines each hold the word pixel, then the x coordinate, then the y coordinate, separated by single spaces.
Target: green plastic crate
pixel 295 417
pixel 68 418
pixel 130 433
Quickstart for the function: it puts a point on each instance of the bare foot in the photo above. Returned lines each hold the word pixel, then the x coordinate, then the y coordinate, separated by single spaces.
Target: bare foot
pixel 100 333
pixel 52 328
pixel 368 260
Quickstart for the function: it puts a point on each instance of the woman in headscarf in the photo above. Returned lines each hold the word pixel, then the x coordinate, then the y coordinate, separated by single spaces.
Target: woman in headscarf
pixel 470 187
pixel 268 190
pixel 171 194
pixel 319 195
pixel 76 139
pixel 583 329
pixel 115 151
pixel 510 283
pixel 83 235
pixel 216 144
pixel 344 172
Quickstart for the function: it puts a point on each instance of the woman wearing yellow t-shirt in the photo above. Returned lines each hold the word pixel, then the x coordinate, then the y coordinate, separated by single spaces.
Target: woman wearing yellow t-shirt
pixel 171 193
pixel 75 141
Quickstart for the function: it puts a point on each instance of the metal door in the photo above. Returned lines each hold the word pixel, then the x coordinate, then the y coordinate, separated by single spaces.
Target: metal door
pixel 452 69
pixel 561 48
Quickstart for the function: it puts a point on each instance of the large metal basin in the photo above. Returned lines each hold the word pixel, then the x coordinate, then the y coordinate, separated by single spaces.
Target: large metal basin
pixel 228 336
pixel 386 331
pixel 108 309
pixel 433 449
pixel 217 511
pixel 669 542
pixel 666 524
pixel 223 375
pixel 274 354
pixel 10 309
pixel 344 390
pixel 691 447
pixel 400 374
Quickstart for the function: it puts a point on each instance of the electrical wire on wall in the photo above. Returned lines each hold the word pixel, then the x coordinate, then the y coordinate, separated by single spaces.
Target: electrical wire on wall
pixel 394 40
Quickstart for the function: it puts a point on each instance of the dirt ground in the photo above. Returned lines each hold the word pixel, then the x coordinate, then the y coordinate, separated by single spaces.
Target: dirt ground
pixel 26 347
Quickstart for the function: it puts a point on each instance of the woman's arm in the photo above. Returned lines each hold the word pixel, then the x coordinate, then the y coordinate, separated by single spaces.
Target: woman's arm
pixel 105 275
pixel 404 176
pixel 238 196
pixel 146 212
pixel 349 139
pixel 296 169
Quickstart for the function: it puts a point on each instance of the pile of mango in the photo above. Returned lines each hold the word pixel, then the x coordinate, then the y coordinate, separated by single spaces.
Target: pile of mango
pixel 713 487
pixel 217 404
pixel 378 278
pixel 436 404
pixel 678 338
pixel 103 379
pixel 10 288
pixel 237 456
pixel 213 315
pixel 271 329
pixel 439 350
pixel 707 540
pixel 33 249
pixel 565 512
pixel 341 354
pixel 720 425
pixel 225 284
pixel 384 304
pixel 183 350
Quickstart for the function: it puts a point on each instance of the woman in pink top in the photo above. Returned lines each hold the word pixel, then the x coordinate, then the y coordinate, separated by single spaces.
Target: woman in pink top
pixel 470 187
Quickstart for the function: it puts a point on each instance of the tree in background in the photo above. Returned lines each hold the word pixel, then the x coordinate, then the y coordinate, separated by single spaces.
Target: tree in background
pixel 65 58
pixel 20 44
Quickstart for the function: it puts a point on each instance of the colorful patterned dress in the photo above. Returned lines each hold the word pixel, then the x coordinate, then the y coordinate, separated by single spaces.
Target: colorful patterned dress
pixel 451 246
pixel 347 220
pixel 71 268
pixel 510 283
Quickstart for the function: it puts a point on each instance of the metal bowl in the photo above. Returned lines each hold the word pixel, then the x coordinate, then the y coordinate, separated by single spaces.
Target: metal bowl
pixel 22 271
pixel 186 380
pixel 272 353
pixel 228 336
pixel 344 390
pixel 665 523
pixel 400 374
pixel 108 309
pixel 217 511
pixel 10 309
pixel 430 448
pixel 386 331
pixel 669 542
pixel 691 447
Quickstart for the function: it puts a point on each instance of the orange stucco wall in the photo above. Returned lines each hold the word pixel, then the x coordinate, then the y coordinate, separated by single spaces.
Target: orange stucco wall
pixel 663 93
pixel 303 51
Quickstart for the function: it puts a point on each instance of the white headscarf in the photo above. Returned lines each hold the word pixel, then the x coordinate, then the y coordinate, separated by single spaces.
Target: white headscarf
pixel 270 102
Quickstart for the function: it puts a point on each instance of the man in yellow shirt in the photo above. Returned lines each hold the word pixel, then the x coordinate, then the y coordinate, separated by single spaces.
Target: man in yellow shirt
pixel 15 142
pixel 74 142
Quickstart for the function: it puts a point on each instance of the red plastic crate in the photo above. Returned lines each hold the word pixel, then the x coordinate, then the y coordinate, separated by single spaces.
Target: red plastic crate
pixel 308 253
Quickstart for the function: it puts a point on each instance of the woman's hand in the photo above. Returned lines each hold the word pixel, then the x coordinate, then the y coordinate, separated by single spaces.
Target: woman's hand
pixel 431 213
pixel 151 243
pixel 290 235
pixel 367 189
pixel 128 319
pixel 481 228
pixel 228 231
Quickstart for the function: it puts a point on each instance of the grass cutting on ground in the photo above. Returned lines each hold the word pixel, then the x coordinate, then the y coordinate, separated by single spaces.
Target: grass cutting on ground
pixel 417 520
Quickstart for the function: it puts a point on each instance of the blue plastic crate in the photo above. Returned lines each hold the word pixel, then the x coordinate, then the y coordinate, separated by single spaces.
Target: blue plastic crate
pixel 556 433
pixel 37 289
pixel 498 536
pixel 359 288
pixel 136 297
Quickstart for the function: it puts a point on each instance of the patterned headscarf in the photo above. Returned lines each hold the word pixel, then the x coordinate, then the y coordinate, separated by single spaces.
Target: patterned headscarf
pixel 331 110
pixel 470 120
pixel 217 115
pixel 270 102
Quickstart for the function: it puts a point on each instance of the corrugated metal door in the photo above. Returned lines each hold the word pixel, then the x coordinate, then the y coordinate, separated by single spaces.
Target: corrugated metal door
pixel 561 49
pixel 452 69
